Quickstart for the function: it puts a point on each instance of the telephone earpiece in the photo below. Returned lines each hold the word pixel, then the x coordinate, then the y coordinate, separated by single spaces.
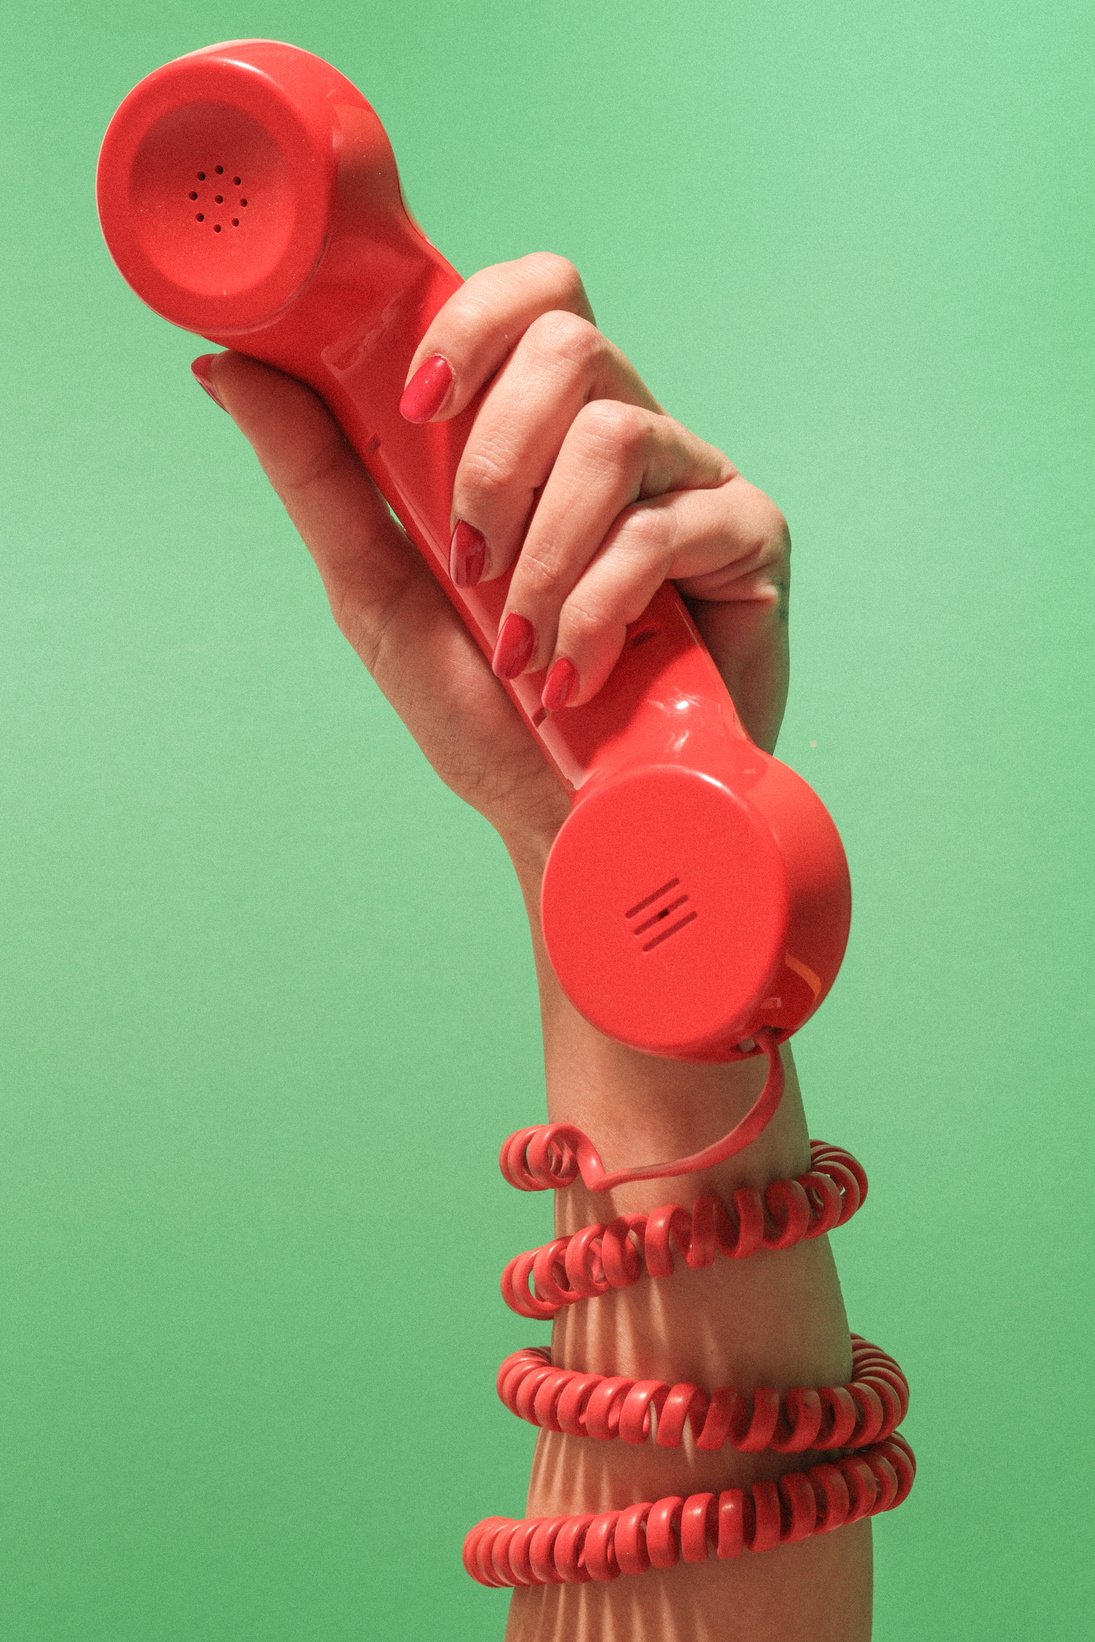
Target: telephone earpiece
pixel 697 893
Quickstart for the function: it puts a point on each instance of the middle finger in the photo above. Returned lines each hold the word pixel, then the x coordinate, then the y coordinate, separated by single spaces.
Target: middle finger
pixel 560 363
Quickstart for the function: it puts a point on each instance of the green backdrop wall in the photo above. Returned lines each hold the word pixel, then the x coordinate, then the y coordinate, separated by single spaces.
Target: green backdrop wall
pixel 268 1002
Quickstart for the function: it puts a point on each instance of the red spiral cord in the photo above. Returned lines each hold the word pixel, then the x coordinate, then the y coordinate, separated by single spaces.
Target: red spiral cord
pixel 555 1154
pixel 597 1258
pixel 872 1468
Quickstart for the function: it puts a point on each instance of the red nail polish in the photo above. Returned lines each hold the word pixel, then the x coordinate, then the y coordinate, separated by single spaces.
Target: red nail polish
pixel 427 390
pixel 467 554
pixel 200 369
pixel 515 645
pixel 560 684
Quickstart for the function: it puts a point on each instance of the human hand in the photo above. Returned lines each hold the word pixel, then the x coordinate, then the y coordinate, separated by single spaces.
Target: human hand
pixel 574 476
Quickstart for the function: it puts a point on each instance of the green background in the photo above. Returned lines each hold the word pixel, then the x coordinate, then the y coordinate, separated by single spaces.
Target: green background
pixel 268 1000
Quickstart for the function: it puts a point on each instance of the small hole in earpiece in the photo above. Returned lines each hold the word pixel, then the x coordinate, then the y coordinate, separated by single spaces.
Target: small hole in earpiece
pixel 237 181
pixel 201 176
pixel 220 199
pixel 216 227
pixel 194 196
pixel 243 202
pixel 235 222
pixel 219 169
pixel 200 217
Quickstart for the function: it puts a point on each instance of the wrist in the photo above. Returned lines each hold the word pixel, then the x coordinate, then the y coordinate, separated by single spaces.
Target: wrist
pixel 643 1108
pixel 528 851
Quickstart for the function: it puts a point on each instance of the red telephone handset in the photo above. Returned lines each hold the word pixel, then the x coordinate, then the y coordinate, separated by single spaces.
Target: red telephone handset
pixel 696 898
pixel 697 894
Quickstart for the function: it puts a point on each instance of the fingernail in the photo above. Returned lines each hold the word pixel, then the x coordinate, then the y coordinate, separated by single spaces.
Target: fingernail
pixel 515 645
pixel 200 368
pixel 427 390
pixel 467 554
pixel 560 684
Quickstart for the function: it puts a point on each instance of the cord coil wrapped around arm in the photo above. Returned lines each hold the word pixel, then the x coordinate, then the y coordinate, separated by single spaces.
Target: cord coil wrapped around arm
pixel 872 1466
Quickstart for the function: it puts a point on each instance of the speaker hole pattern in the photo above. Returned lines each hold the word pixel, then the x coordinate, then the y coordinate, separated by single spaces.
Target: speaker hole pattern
pixel 194 195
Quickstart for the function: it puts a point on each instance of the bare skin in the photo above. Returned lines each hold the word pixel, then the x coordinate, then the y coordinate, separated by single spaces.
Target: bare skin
pixel 582 483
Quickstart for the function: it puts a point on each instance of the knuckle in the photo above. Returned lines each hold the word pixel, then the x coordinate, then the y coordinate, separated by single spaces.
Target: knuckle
pixel 584 618
pixel 314 469
pixel 758 525
pixel 613 427
pixel 559 334
pixel 364 618
pixel 559 272
pixel 483 477
pixel 374 642
pixel 646 533
pixel 539 571
pixel 775 532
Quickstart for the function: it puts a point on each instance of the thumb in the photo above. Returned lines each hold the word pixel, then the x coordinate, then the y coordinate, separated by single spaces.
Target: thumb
pixel 361 552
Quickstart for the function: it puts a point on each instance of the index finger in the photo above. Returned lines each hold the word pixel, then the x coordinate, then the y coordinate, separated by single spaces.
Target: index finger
pixel 481 323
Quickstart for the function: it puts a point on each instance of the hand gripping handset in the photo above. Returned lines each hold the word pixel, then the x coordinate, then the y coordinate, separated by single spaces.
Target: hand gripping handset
pixel 697 893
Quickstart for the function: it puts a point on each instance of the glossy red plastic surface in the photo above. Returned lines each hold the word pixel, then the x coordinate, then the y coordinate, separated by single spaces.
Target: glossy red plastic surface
pixel 698 891
pixel 662 1533
pixel 870 1468
pixel 624 1251
pixel 603 1406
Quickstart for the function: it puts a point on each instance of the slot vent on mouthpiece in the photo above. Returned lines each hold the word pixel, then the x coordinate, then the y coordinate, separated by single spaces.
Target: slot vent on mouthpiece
pixel 648 916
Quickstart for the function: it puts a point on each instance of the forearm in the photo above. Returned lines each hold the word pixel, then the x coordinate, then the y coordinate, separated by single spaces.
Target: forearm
pixel 771 1318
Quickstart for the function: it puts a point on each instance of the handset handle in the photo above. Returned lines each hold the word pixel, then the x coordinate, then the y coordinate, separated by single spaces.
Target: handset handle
pixel 698 892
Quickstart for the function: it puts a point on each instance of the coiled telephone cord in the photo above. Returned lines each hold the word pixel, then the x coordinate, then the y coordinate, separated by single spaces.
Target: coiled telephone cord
pixel 872 1467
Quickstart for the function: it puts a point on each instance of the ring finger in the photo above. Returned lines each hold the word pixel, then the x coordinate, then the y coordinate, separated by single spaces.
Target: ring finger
pixel 614 457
